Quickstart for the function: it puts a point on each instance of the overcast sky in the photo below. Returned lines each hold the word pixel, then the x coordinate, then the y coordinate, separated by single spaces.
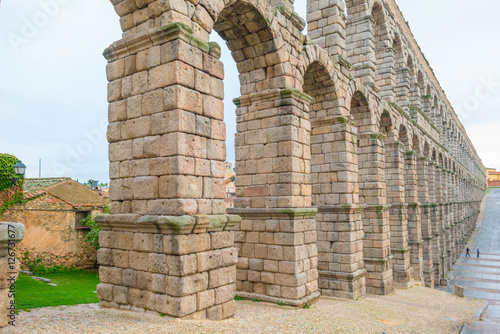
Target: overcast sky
pixel 53 85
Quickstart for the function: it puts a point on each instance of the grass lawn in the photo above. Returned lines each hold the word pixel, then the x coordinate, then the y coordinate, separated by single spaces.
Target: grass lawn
pixel 76 287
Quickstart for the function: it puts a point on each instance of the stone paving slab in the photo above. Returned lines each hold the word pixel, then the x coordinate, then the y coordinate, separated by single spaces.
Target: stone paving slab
pixel 414 310
pixel 481 276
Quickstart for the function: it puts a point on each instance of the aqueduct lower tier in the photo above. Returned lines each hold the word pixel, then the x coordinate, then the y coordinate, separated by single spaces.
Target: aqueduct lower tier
pixel 354 174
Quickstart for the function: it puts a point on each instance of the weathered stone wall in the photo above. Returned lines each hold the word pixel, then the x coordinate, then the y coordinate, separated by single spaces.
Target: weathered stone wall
pixel 51 233
pixel 179 266
pixel 354 174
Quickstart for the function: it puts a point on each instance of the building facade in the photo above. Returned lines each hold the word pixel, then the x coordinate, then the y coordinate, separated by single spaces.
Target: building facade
pixel 353 172
pixel 51 215
pixel 493 177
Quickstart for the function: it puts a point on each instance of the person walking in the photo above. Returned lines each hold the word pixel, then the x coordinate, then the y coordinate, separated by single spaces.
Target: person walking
pixel 467 252
pixel 478 252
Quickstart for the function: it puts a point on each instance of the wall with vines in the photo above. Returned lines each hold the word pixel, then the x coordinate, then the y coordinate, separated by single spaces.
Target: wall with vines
pixel 11 192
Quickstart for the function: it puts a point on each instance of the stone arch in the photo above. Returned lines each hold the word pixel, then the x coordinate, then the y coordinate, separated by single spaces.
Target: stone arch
pixel 381 42
pixel 361 113
pixel 372 191
pixel 435 110
pixel 427 102
pixel 404 135
pixel 427 151
pixel 397 181
pixel 386 123
pixel 255 45
pixel 420 89
pixel 166 114
pixel 334 177
pixel 405 81
pixel 318 81
pixel 415 143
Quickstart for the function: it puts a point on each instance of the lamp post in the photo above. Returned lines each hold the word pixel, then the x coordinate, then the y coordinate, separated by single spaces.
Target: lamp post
pixel 20 170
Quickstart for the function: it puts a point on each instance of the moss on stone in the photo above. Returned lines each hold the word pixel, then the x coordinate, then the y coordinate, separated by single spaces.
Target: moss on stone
pixel 342 119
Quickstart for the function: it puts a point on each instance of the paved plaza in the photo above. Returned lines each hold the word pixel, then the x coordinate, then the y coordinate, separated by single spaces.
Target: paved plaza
pixel 481 276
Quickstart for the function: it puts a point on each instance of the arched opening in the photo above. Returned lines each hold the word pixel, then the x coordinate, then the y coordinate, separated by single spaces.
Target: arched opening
pixel 426 196
pixel 372 194
pixel 405 82
pixel 413 184
pixel 381 45
pixel 334 187
pixel 419 91
pixel 272 152
pixel 396 150
pixel 390 71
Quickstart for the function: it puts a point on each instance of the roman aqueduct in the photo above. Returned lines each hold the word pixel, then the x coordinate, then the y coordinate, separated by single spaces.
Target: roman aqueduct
pixel 354 174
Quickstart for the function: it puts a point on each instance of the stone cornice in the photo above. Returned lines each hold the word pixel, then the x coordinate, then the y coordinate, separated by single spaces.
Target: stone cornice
pixel 157 36
pixel 167 224
pixel 278 213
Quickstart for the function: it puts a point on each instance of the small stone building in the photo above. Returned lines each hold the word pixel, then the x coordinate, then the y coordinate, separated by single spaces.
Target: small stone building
pixel 493 177
pixel 52 214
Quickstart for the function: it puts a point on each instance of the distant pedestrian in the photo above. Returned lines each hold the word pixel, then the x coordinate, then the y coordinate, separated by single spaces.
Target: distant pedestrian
pixel 478 252
pixel 467 252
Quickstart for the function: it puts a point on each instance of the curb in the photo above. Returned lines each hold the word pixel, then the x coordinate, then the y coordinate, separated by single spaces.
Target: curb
pixel 479 313
pixel 477 317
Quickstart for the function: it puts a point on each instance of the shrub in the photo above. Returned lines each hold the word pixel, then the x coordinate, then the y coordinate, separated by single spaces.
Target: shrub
pixel 37 266
pixel 93 235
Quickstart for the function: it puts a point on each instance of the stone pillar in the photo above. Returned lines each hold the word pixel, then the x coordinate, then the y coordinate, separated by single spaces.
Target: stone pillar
pixel 361 46
pixel 462 209
pixel 395 171
pixel 444 223
pixel 326 26
pixel 448 220
pixel 415 240
pixel 340 248
pixel 375 217
pixel 276 239
pixel 277 255
pixel 427 107
pixel 415 99
pixel 425 193
pixel 339 226
pixel 10 235
pixel 436 218
pixel 387 73
pixel 455 221
pixel 403 88
pixel 167 245
pixel 181 266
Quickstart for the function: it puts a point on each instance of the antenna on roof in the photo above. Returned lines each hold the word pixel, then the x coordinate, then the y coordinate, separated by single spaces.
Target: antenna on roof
pixel 40 168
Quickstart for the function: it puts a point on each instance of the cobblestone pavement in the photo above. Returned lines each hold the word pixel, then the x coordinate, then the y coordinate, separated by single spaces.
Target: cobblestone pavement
pixel 414 310
pixel 480 276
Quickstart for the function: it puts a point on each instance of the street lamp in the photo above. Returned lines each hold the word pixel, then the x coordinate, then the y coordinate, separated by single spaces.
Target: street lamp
pixel 19 169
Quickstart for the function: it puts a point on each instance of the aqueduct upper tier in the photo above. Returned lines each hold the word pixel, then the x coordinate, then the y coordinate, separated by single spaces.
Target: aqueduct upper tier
pixel 354 173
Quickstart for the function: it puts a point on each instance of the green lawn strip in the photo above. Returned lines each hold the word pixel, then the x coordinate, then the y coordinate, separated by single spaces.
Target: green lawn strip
pixel 76 287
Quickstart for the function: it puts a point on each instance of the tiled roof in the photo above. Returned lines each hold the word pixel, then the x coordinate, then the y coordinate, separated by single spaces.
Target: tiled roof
pixel 33 185
pixel 33 194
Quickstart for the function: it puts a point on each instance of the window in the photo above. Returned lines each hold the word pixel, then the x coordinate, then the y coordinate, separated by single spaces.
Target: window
pixel 79 215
